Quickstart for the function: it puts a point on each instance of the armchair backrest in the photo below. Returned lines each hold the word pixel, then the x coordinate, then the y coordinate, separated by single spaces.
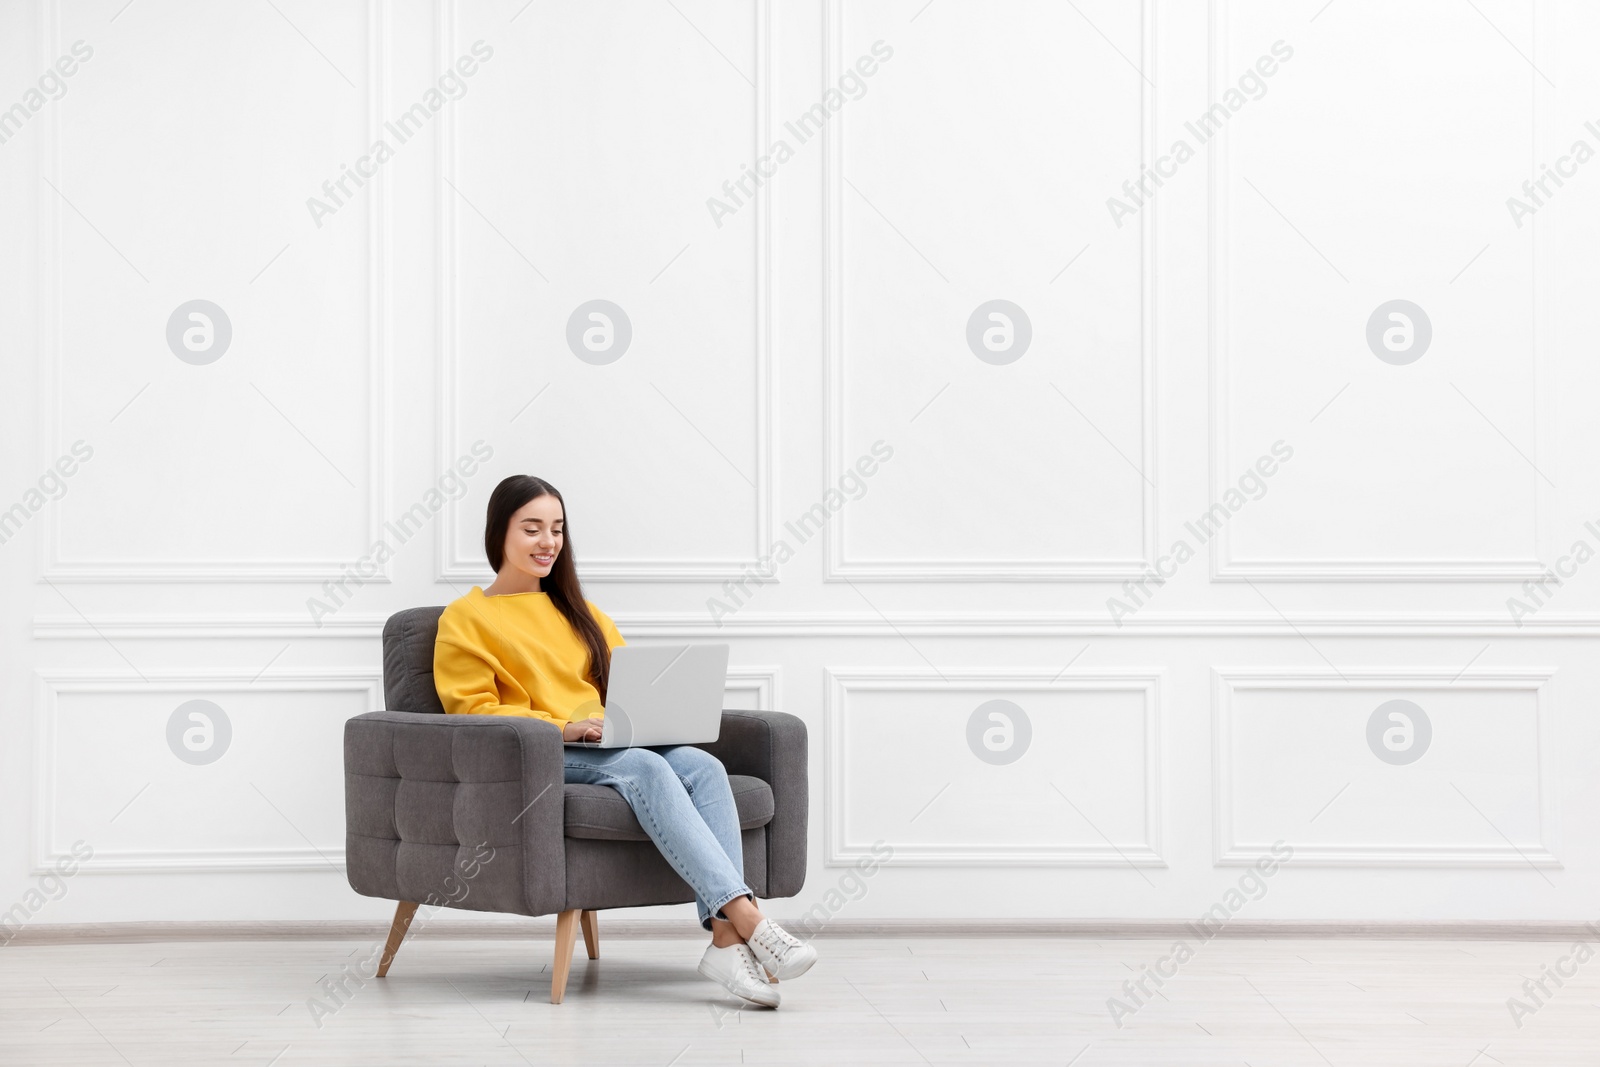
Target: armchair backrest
pixel 408 639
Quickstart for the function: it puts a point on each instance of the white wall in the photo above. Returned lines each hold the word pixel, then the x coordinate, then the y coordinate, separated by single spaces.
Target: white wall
pixel 1170 739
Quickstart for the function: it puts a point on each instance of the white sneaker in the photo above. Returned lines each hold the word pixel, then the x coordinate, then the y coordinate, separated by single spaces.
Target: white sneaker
pixel 780 952
pixel 735 969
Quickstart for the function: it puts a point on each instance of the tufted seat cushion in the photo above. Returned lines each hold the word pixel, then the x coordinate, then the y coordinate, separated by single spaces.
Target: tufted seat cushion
pixel 600 813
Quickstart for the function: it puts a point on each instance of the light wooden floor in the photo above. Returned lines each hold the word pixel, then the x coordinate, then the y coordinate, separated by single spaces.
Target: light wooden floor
pixel 1267 1003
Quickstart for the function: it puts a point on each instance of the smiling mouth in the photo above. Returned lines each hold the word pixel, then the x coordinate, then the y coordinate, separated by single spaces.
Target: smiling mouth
pixel 544 561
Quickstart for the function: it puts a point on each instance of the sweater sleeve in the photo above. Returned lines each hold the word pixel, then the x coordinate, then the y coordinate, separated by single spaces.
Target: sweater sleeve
pixel 466 685
pixel 608 629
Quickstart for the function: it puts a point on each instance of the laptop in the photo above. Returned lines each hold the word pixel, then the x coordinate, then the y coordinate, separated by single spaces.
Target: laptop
pixel 663 695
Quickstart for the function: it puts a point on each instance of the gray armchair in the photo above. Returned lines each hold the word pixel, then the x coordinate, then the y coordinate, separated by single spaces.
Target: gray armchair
pixel 470 811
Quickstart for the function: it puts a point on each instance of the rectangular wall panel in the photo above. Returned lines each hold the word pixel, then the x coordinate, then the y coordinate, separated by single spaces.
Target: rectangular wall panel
pixel 1373 305
pixel 164 182
pixel 974 768
pixel 110 774
pixel 1394 768
pixel 947 206
pixel 552 216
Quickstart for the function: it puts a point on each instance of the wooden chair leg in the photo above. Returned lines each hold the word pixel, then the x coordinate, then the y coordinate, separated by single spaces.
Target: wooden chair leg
pixel 404 912
pixel 590 921
pixel 566 940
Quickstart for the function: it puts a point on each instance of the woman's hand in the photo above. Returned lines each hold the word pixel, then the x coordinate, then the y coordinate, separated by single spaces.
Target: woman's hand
pixel 582 730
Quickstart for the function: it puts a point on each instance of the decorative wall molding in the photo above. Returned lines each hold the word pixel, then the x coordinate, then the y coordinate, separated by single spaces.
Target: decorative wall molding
pixel 157 626
pixel 841 682
pixel 636 625
pixel 1373 570
pixel 1225 567
pixel 837 567
pixel 453 565
pixel 50 566
pixel 762 683
pixel 50 683
pixel 1500 853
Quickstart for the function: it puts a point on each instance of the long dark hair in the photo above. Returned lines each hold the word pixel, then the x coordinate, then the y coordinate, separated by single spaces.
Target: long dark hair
pixel 566 592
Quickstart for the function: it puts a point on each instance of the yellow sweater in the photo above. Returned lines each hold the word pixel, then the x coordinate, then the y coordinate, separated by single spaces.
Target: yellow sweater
pixel 515 654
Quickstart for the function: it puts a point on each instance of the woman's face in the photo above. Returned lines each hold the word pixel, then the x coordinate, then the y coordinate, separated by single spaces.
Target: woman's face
pixel 534 536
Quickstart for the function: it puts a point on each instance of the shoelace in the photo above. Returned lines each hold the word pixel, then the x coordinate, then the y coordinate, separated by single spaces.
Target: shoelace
pixel 751 967
pixel 778 941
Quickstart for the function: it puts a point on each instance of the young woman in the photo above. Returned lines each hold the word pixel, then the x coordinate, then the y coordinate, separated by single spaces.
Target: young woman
pixel 531 645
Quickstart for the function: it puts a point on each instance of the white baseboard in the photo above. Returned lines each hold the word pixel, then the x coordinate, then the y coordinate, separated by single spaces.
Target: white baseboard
pixel 543 928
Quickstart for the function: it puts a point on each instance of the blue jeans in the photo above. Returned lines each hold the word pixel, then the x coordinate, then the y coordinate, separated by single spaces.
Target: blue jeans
pixel 681 797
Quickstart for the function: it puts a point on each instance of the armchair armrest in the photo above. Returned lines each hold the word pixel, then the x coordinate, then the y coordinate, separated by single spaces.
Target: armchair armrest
pixel 460 810
pixel 772 746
